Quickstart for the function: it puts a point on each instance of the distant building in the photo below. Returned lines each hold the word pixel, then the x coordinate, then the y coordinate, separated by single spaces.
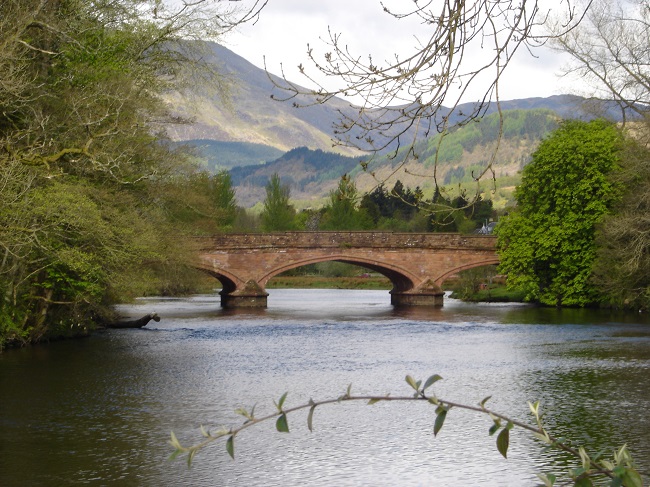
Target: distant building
pixel 487 228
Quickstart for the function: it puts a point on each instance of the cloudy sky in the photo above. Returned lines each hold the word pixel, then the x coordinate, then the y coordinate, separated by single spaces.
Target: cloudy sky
pixel 285 27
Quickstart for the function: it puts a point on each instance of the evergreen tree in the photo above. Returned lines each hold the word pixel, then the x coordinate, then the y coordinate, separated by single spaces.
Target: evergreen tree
pixel 342 213
pixel 278 214
pixel 223 198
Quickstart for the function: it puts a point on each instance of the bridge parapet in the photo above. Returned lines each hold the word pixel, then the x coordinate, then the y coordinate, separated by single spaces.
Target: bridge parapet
pixel 342 240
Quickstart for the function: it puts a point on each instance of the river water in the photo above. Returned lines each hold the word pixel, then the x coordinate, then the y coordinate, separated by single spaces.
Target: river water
pixel 99 411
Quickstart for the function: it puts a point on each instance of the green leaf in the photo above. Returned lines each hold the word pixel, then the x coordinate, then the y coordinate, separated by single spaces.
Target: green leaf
pixel 282 424
pixel 230 446
pixel 190 457
pixel 543 437
pixel 373 401
pixel 430 381
pixel 411 381
pixel 440 420
pixel 310 418
pixel 482 403
pixel 616 482
pixel 631 478
pixel 495 427
pixel 175 443
pixel 547 478
pixel 584 458
pixel 175 454
pixel 281 401
pixel 503 442
pixel 584 482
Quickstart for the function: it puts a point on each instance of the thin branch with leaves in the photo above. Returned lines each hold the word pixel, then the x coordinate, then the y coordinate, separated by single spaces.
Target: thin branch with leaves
pixel 619 468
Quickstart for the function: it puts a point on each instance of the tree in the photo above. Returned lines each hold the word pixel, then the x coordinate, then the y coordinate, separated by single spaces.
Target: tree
pixel 223 198
pixel 278 214
pixel 342 213
pixel 622 266
pixel 416 94
pixel 611 52
pixel 547 246
pixel 83 151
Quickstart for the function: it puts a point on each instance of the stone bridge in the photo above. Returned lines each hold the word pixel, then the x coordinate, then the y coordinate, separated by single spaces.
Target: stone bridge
pixel 416 263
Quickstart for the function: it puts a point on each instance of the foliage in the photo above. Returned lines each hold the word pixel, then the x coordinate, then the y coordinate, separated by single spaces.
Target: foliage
pixel 619 469
pixel 622 266
pixel 83 156
pixel 610 52
pixel 197 202
pixel 278 214
pixel 547 245
pixel 471 281
pixel 342 212
pixel 406 210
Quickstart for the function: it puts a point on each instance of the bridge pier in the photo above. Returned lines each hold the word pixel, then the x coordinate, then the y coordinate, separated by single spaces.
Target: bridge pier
pixel 401 300
pixel 426 294
pixel 252 295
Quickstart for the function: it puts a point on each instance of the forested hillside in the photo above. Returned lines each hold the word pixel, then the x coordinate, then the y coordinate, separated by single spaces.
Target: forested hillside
pixel 215 155
pixel 461 155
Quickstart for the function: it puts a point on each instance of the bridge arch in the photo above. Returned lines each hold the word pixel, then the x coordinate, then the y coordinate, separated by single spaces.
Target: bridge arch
pixel 401 279
pixel 229 281
pixel 446 275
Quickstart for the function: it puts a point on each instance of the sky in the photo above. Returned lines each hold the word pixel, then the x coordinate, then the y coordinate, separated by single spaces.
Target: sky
pixel 285 27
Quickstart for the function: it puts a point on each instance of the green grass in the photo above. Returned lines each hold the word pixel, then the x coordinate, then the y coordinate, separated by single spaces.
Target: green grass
pixel 319 282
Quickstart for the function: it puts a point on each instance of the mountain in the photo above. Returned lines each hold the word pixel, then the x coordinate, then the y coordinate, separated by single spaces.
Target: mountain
pixel 462 154
pixel 249 128
pixel 250 115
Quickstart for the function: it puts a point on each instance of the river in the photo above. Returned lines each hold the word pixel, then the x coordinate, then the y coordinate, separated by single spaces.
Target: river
pixel 99 410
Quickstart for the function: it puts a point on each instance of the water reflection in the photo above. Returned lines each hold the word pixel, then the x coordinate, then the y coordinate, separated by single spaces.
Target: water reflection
pixel 99 411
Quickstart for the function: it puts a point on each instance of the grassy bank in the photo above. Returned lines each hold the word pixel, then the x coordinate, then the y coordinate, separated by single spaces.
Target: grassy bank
pixel 321 282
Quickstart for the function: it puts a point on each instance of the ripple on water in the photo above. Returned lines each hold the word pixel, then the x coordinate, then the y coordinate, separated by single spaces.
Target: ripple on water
pixel 100 410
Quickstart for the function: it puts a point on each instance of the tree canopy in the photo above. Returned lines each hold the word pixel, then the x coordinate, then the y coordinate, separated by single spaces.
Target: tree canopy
pixel 278 214
pixel 547 245
pixel 83 154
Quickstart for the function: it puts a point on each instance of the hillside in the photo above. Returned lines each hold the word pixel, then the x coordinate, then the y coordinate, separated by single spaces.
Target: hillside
pixel 462 154
pixel 251 129
pixel 216 155
pixel 250 115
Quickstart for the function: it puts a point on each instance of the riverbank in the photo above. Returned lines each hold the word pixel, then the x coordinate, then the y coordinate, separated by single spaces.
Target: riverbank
pixel 321 282
pixel 498 294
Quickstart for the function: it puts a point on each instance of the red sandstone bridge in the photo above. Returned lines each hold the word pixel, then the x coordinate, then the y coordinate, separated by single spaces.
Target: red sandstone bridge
pixel 416 263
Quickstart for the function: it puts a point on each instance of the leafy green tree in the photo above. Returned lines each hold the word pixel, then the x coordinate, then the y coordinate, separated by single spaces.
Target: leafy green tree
pixel 82 113
pixel 278 214
pixel 342 213
pixel 610 50
pixel 547 246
